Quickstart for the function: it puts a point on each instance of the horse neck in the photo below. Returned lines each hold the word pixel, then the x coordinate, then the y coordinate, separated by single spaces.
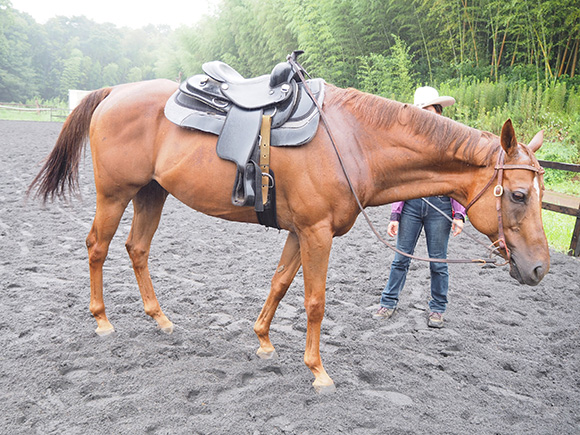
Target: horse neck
pixel 415 154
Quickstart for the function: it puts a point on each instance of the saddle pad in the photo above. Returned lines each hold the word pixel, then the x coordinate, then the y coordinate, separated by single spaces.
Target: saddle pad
pixel 185 111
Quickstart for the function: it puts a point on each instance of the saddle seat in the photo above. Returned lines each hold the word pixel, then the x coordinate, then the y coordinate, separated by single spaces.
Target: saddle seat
pixel 222 81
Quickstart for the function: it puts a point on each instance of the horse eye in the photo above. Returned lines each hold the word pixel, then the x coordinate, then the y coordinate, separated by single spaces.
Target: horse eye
pixel 518 196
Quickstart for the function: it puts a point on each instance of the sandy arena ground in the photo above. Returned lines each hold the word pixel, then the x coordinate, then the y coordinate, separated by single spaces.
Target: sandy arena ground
pixel 507 362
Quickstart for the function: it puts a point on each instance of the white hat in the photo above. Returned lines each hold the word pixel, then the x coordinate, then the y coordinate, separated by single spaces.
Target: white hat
pixel 428 96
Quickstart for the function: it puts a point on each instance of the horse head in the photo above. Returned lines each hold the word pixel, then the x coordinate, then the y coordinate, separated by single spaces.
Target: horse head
pixel 516 223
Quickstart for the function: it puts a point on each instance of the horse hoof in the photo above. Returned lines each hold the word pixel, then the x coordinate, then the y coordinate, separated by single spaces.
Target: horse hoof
pixel 103 331
pixel 167 329
pixel 266 355
pixel 324 389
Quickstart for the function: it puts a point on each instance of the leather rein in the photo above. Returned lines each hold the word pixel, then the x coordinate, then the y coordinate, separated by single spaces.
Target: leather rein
pixel 498 190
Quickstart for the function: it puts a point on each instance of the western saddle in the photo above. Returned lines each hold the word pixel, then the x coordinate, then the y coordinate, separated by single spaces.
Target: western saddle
pixel 249 116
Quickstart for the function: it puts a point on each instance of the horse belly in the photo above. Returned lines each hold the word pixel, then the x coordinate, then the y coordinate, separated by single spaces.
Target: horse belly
pixel 189 168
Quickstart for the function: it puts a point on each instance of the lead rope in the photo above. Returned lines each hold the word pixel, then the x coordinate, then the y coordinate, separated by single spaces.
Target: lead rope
pixel 298 69
pixel 491 248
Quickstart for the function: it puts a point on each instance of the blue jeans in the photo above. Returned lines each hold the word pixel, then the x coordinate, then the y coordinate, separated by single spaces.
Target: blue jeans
pixel 416 215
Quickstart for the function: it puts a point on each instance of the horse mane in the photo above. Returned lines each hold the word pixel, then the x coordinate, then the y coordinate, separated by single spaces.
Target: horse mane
pixel 383 113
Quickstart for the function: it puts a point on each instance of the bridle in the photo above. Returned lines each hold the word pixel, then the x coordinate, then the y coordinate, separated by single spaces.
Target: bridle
pixel 498 190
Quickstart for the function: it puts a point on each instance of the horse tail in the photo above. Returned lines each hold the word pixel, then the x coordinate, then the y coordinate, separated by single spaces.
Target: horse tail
pixel 61 169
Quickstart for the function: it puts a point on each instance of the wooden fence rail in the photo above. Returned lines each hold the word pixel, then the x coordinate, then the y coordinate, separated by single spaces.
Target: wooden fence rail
pixel 55 113
pixel 564 203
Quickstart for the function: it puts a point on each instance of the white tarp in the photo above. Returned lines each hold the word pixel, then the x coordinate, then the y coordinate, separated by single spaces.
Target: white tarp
pixel 75 97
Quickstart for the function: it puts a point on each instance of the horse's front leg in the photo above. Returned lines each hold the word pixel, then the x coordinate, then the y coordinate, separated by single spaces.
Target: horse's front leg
pixel 315 251
pixel 285 272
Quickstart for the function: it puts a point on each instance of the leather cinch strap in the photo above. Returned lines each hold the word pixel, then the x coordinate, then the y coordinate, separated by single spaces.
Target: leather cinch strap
pixel 265 155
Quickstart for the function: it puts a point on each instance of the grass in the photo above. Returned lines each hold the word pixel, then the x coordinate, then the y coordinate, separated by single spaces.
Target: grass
pixel 570 186
pixel 558 228
pixel 52 115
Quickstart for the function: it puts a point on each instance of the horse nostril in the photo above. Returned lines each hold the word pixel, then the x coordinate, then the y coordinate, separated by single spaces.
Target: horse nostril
pixel 539 272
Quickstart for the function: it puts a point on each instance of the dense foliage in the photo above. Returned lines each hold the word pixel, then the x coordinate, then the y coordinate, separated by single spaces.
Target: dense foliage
pixel 533 40
pixel 45 61
pixel 362 43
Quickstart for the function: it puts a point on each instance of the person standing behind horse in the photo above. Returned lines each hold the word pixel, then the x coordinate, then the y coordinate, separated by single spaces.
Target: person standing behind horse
pixel 408 218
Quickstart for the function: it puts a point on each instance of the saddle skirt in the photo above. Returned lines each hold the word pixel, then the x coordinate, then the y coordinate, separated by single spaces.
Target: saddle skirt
pixel 294 120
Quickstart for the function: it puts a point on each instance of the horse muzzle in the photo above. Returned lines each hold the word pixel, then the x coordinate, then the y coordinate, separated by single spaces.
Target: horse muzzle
pixel 528 272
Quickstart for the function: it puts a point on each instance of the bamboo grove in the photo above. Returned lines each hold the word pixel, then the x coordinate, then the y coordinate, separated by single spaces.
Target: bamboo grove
pixel 530 39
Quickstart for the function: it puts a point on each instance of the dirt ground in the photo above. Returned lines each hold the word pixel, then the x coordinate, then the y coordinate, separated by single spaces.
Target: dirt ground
pixel 507 362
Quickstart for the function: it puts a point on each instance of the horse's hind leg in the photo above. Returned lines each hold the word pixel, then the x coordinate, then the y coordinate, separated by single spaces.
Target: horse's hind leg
pixel 283 277
pixel 147 205
pixel 108 214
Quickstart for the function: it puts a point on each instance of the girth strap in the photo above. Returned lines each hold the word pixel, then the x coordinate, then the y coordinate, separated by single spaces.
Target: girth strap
pixel 265 155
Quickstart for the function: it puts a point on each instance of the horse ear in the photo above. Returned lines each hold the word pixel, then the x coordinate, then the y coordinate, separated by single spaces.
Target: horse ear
pixel 508 138
pixel 537 141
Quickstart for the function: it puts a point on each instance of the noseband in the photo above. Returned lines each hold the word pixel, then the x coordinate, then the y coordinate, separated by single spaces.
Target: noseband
pixel 498 193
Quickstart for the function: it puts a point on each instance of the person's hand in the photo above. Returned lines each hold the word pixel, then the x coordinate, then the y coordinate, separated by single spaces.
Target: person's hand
pixel 457 227
pixel 393 228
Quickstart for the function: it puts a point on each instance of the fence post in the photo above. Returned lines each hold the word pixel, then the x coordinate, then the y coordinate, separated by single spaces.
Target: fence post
pixel 574 246
pixel 572 207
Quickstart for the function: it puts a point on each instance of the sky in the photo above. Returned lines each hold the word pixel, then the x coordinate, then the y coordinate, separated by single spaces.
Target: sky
pixel 123 13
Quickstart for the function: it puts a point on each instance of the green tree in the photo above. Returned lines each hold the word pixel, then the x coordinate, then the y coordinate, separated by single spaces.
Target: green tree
pixel 111 74
pixel 135 74
pixel 312 23
pixel 73 75
pixel 17 77
pixel 389 76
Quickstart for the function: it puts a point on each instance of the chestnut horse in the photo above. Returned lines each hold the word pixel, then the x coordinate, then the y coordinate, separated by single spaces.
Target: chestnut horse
pixel 391 151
